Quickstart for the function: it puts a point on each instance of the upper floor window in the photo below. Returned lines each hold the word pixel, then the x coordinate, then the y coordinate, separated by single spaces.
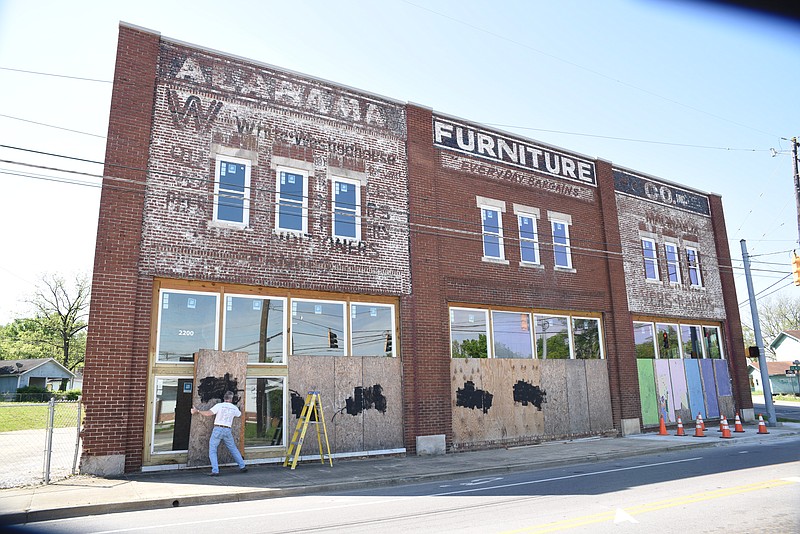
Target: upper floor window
pixel 693 264
pixel 232 190
pixel 292 201
pixel 673 263
pixel 650 259
pixel 560 224
pixel 346 209
pixel 492 231
pixel 528 238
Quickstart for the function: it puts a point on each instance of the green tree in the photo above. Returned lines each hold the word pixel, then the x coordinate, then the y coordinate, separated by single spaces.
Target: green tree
pixel 776 314
pixel 471 348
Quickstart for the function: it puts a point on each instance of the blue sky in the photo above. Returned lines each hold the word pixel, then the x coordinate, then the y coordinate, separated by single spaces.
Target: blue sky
pixel 687 92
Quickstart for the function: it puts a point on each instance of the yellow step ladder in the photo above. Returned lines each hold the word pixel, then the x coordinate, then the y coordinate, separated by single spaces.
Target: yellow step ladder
pixel 311 414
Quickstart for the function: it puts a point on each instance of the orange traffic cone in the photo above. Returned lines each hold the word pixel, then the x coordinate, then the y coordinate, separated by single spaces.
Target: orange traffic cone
pixel 762 426
pixel 700 420
pixel 698 428
pixel 680 428
pixel 737 424
pixel 722 422
pixel 662 428
pixel 726 431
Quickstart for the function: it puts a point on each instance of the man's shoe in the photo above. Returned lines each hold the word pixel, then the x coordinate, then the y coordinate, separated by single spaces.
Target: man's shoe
pixel 213 474
pixel 243 470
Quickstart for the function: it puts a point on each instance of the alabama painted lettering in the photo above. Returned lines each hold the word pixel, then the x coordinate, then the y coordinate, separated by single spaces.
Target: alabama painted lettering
pixel 502 149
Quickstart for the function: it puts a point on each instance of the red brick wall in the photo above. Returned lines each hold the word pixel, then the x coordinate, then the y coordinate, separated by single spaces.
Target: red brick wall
pixel 113 379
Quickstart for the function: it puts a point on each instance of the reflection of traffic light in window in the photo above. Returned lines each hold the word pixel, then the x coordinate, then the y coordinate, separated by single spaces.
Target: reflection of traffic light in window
pixel 665 340
pixel 333 339
pixel 387 347
pixel 523 318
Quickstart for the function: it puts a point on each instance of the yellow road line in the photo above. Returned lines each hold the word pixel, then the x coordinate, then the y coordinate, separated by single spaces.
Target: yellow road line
pixel 602 517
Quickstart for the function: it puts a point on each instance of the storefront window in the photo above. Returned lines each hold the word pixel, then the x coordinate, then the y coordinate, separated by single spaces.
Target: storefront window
pixel 255 325
pixel 372 327
pixel 667 341
pixel 318 328
pixel 713 346
pixel 264 412
pixel 552 337
pixel 468 333
pixel 586 335
pixel 172 414
pixel 512 335
pixel 187 323
pixel 643 337
pixel 690 340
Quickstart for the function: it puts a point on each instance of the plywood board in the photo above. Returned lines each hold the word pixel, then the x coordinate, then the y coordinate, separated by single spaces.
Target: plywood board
pixel 311 373
pixel 556 410
pixel 467 401
pixel 694 384
pixel 680 391
pixel 347 417
pixel 577 397
pixel 216 372
pixel 722 377
pixel 600 416
pixel 647 391
pixel 709 388
pixel 666 403
pixel 529 398
pixel 383 424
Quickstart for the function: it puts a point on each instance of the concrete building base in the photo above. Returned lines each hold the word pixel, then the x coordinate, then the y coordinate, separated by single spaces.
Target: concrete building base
pixel 103 466
pixel 631 426
pixel 431 445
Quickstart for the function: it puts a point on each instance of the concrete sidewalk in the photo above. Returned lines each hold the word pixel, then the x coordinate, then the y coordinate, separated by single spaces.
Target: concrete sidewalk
pixel 84 495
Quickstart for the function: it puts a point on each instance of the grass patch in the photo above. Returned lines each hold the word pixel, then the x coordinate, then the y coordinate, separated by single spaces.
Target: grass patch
pixel 790 398
pixel 18 416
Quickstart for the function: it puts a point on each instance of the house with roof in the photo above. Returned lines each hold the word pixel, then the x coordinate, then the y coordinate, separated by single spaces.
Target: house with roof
pixel 38 372
pixel 780 383
pixel 786 346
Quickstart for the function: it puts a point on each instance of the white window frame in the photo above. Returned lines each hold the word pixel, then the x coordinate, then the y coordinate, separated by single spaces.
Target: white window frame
pixel 533 214
pixel 335 181
pixel 498 207
pixel 152 436
pixel 222 192
pixel 476 311
pixel 566 220
pixel 393 331
pixel 650 261
pixel 674 263
pixel 217 333
pixel 693 266
pixel 251 296
pixel 279 200
pixel 599 333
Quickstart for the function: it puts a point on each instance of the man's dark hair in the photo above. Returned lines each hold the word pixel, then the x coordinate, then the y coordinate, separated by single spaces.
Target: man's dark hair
pixel 228 396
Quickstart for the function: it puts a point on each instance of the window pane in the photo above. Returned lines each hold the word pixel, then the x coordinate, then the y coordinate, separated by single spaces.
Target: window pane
pixel 231 176
pixel 468 333
pixel 713 347
pixel 372 330
pixel 344 195
pixel 318 328
pixel 264 413
pixel 561 244
pixel 690 338
pixel 668 341
pixel 527 230
pixel 586 335
pixel 650 264
pixel 673 269
pixel 172 414
pixel 290 216
pixel 552 337
pixel 255 325
pixel 491 246
pixel 344 223
pixel 291 186
pixel 512 335
pixel 230 207
pixel 528 251
pixel 187 323
pixel 643 337
pixel 694 267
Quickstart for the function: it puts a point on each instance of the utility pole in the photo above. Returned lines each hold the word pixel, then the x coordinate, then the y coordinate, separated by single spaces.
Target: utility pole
pixel 796 178
pixel 762 360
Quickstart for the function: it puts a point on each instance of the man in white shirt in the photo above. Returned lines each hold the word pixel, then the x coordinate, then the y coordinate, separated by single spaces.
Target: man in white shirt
pixel 224 413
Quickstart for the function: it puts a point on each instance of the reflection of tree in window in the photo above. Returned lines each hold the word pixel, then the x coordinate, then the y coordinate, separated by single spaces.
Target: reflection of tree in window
pixel 312 324
pixel 555 330
pixel 711 335
pixel 691 342
pixel 668 346
pixel 586 335
pixel 643 337
pixel 256 326
pixel 512 337
pixel 471 348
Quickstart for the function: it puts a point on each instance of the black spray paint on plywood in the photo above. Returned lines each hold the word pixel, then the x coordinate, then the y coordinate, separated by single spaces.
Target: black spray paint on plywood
pixel 469 397
pixel 526 393
pixel 214 387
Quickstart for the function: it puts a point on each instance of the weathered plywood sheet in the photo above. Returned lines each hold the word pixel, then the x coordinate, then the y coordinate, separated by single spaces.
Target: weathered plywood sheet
pixel 529 398
pixel 648 394
pixel 556 410
pixel 709 388
pixel 680 390
pixel 666 402
pixel 216 372
pixel 469 400
pixel 577 397
pixel 347 417
pixel 727 405
pixel 695 385
pixel 383 423
pixel 601 418
pixel 311 373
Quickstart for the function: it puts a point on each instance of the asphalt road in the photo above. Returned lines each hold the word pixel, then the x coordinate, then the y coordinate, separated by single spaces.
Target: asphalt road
pixel 739 488
pixel 789 411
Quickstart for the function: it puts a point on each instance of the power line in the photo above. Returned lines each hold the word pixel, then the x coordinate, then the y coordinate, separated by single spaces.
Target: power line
pixel 56 75
pixel 52 126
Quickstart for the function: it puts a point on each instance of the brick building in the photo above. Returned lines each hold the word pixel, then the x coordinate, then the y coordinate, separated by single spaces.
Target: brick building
pixel 430 277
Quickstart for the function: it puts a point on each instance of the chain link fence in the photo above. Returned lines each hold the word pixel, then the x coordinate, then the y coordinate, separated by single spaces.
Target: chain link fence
pixel 39 441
